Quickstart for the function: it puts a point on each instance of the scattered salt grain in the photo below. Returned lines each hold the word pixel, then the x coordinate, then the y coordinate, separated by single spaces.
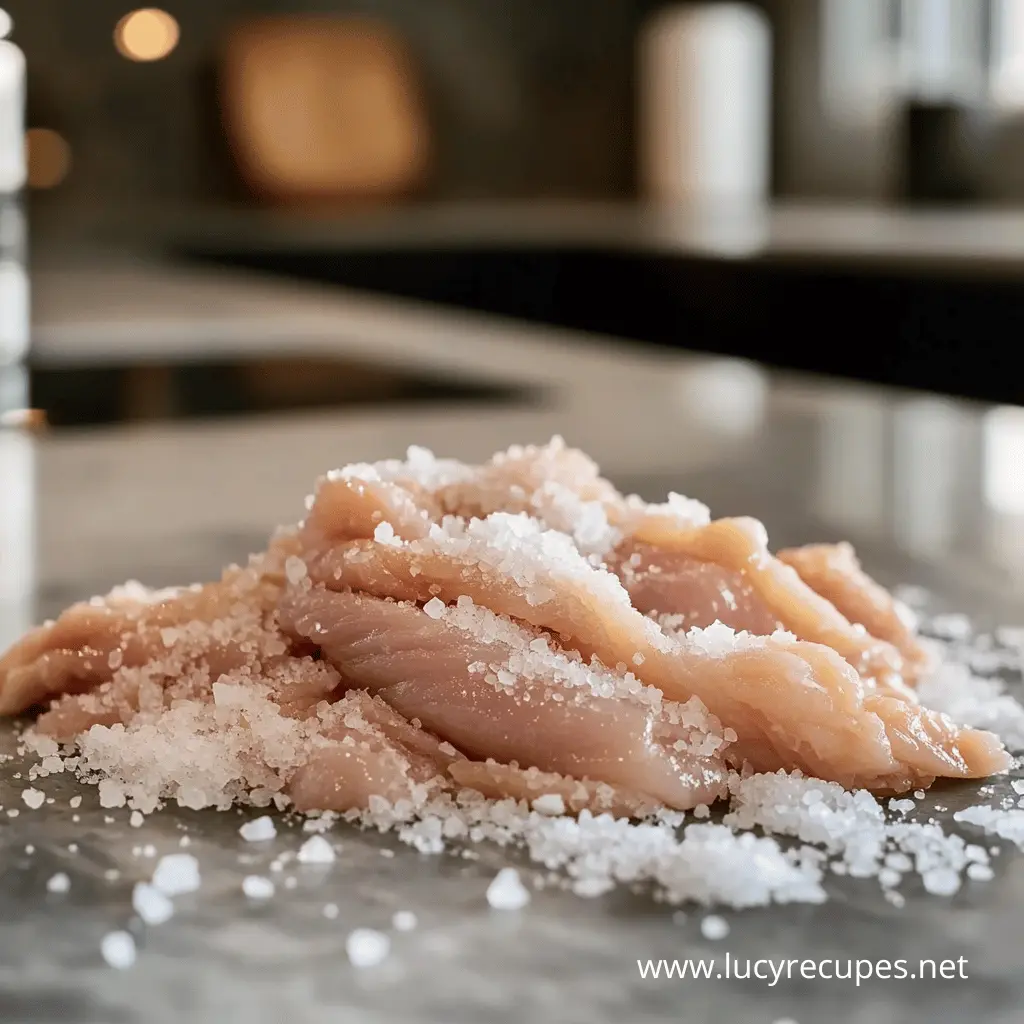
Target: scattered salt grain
pixel 176 874
pixel 295 569
pixel 701 811
pixel 257 887
pixel 151 904
pixel 118 950
pixel 714 927
pixel 330 911
pixel 506 891
pixel 291 882
pixel 550 803
pixel 919 794
pixel 13 812
pixel 184 841
pixel 136 820
pixel 58 883
pixel 403 921
pixel 941 881
pixel 111 874
pixel 30 849
pixel 980 872
pixel 33 798
pixel 434 608
pixel 366 947
pixel 258 830
pixel 72 847
pixel 316 850
pixel 901 806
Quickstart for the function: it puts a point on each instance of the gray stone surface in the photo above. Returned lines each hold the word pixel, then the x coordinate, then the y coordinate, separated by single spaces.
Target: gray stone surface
pixel 562 959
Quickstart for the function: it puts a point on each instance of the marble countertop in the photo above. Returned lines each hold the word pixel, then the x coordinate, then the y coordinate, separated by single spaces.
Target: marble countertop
pixel 930 490
pixel 985 240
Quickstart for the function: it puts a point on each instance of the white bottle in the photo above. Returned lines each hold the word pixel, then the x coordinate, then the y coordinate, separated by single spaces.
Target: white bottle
pixel 705 105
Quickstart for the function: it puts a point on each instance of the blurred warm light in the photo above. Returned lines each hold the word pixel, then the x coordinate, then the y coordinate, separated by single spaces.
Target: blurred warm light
pixel 147 34
pixel 1004 459
pixel 49 157
pixel 5 24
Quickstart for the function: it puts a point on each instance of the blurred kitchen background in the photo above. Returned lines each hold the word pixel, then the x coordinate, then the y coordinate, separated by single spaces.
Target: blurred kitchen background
pixel 833 186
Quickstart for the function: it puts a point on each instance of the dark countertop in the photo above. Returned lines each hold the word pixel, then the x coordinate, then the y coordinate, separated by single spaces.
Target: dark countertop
pixel 929 489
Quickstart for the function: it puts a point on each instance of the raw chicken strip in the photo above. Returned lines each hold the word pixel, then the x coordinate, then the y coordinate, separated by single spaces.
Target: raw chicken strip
pixel 741 546
pixel 474 680
pixel 792 704
pixel 366 750
pixel 676 588
pixel 833 571
pixel 498 781
pixel 129 627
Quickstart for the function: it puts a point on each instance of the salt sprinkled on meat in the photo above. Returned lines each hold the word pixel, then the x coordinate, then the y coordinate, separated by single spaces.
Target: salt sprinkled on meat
pixel 258 830
pixel 257 887
pixel 550 804
pixel 118 950
pixel 151 904
pixel 367 947
pixel 316 850
pixel 506 891
pixel 176 874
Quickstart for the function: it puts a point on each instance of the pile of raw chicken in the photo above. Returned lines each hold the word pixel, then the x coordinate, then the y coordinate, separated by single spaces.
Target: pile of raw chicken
pixel 517 628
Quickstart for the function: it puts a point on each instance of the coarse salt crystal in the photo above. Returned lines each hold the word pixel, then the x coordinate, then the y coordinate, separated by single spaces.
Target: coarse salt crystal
pixel 75 802
pixel 384 533
pixel 294 569
pixel 941 881
pixel 902 806
pixel 258 830
pixel 151 904
pixel 403 920
pixel 367 947
pixel 257 887
pixel 176 874
pixel 58 883
pixel 550 804
pixel 714 927
pixel 111 794
pixel 506 891
pixel 434 608
pixel 33 798
pixel 316 850
pixel 118 950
